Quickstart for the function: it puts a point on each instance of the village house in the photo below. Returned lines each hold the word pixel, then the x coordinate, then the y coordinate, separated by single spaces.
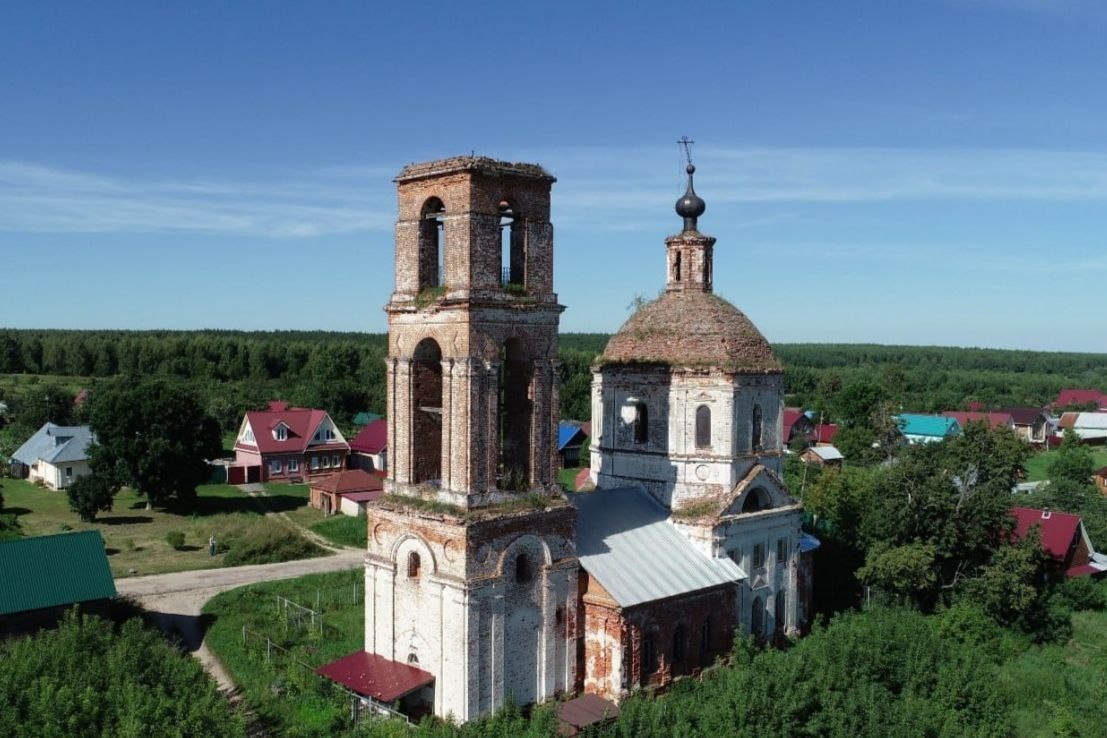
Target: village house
pixel 1083 399
pixel 570 438
pixel 1032 424
pixel 1063 538
pixel 54 456
pixel 1089 427
pixel 796 424
pixel 1100 478
pixel 286 444
pixel 919 428
pixel 369 448
pixel 993 420
pixel 824 434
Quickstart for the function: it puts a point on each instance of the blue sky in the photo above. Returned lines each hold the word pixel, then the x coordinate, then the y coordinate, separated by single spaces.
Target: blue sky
pixel 932 172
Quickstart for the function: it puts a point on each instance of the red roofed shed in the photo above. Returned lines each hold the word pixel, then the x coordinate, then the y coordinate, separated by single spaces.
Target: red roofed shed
pixel 372 675
pixel 369 448
pixel 326 492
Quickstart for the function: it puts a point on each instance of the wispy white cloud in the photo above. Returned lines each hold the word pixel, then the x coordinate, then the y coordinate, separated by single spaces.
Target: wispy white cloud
pixel 35 198
pixel 615 189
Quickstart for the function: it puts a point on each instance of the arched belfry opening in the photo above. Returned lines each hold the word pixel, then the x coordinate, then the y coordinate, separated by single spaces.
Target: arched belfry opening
pixel 516 372
pixel 431 242
pixel 426 437
pixel 513 258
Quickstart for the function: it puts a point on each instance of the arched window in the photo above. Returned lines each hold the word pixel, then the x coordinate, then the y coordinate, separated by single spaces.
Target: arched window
pixel 755 429
pixel 703 427
pixel 781 615
pixel 426 432
pixel 676 267
pixel 413 659
pixel 522 569
pixel 431 238
pixel 513 259
pixel 516 408
pixel 757 499
pixel 757 618
pixel 641 423
pixel 649 656
pixel 678 644
pixel 414 565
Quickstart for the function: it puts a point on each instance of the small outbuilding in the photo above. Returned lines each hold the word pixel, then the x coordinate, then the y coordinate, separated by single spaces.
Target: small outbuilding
pixel 42 576
pixel 570 438
pixel 822 456
pixel 359 487
pixel 369 448
pixel 1100 477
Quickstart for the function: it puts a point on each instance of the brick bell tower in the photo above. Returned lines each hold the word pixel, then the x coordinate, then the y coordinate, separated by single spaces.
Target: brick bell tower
pixel 471 573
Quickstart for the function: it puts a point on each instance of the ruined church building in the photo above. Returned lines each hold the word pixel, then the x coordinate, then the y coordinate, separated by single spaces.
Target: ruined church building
pixel 481 574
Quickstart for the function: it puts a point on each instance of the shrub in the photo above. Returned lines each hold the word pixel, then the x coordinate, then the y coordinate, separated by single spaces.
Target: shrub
pixel 175 539
pixel 1083 593
pixel 268 545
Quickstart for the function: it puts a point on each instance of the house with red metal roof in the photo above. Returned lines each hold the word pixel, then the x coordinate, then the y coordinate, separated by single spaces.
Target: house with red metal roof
pixel 1063 538
pixel 824 434
pixel 1083 398
pixel 993 420
pixel 369 448
pixel 796 423
pixel 284 444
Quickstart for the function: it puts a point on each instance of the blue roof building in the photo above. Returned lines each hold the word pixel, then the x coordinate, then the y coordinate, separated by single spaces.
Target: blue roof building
pixel 919 428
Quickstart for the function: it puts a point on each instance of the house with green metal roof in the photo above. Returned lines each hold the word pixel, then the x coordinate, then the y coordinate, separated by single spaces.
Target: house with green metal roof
pixel 42 576
pixel 919 428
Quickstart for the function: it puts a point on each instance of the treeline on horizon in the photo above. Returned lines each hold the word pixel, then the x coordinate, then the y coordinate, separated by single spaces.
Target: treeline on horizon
pixel 344 371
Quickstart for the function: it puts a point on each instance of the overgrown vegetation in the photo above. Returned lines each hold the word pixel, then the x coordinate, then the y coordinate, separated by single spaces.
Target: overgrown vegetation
pixel 88 678
pixel 344 530
pixel 266 544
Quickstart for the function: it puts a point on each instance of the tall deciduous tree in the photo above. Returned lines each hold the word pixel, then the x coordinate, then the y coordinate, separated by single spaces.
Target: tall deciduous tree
pixel 153 436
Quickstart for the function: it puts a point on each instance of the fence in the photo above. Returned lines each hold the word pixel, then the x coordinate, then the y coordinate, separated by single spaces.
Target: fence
pixel 360 705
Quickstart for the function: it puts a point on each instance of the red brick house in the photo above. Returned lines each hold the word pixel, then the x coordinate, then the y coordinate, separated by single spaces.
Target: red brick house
pixel 1063 538
pixel 284 444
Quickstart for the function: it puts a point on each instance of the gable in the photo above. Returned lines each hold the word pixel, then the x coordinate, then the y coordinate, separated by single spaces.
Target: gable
pixel 326 433
pixel 760 489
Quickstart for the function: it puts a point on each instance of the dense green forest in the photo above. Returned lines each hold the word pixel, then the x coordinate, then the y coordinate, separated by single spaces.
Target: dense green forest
pixel 344 372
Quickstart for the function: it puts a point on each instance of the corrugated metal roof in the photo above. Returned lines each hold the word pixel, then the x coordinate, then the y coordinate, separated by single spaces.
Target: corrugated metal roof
pixel 55 444
pixel 808 543
pixel 46 571
pixel 1091 421
pixel 625 540
pixel 566 432
pixel 827 453
pixel 914 424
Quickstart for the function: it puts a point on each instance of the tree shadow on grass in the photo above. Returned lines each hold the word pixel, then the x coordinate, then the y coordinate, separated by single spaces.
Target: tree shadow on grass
pixel 204 506
pixel 17 511
pixel 125 520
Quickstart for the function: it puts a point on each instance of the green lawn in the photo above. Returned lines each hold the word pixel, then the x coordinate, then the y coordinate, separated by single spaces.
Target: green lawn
pixel 287 697
pixel 1038 464
pixel 344 530
pixel 135 537
pixel 567 478
pixel 1062 690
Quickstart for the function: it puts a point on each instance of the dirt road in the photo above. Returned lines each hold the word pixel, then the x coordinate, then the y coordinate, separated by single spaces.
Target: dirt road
pixel 176 599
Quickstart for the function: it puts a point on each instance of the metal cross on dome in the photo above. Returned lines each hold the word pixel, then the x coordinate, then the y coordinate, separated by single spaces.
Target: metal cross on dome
pixel 686 144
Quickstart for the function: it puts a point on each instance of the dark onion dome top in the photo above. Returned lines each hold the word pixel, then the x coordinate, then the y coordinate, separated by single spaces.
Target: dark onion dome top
pixel 690 206
pixel 692 329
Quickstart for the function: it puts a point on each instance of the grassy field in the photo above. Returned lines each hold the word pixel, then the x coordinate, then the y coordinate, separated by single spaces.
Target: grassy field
pixel 1038 464
pixel 135 536
pixel 288 697
pixel 567 478
pixel 1062 690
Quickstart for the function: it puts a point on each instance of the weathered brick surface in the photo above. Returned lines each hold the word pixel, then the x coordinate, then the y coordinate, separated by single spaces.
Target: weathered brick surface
pixel 687 634
pixel 482 593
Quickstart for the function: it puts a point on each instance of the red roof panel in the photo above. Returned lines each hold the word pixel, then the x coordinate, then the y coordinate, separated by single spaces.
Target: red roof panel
pixel 1080 397
pixel 1057 528
pixel 375 676
pixel 301 423
pixel 994 420
pixel 351 480
pixel 372 439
